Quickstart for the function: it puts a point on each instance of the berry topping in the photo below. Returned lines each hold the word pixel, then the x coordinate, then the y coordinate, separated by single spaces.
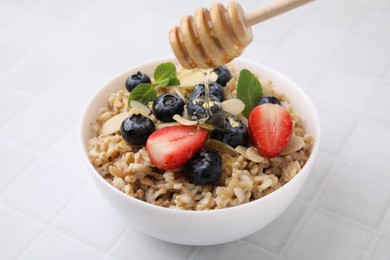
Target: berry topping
pixel 135 79
pixel 136 129
pixel 224 75
pixel 197 106
pixel 270 127
pixel 204 168
pixel 172 146
pixel 215 89
pixel 166 106
pixel 269 99
pixel 233 132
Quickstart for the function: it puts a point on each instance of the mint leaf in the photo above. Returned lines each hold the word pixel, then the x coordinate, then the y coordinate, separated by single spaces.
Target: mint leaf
pixel 165 75
pixel 163 82
pixel 174 82
pixel 143 93
pixel 249 90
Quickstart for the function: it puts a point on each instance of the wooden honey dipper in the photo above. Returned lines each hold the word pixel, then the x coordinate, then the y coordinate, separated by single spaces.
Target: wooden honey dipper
pixel 213 38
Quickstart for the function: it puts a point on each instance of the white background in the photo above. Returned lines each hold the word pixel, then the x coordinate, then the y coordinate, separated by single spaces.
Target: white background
pixel 55 54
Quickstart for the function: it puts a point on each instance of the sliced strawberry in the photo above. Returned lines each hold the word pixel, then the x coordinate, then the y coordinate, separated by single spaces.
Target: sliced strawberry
pixel 172 146
pixel 270 127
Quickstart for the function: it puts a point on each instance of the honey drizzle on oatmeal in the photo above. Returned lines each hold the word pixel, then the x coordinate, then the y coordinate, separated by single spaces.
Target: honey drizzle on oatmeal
pixel 207 79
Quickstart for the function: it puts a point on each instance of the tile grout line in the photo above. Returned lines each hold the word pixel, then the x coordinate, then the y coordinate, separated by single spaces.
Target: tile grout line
pixel 119 239
pixel 310 210
pixel 40 156
pixel 313 205
pixel 375 232
pixel 24 216
pixel 349 220
pixel 50 225
pixel 380 230
pixel 29 219
pixel 310 206
pixel 257 247
pixel 21 174
pixel 194 253
pixel 293 232
pixel 296 231
pixel 263 248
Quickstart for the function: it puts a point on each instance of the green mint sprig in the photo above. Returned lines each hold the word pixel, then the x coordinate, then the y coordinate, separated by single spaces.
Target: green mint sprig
pixel 164 75
pixel 249 90
pixel 143 93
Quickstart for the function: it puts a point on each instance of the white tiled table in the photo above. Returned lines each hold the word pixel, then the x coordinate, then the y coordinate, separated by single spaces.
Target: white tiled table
pixel 55 54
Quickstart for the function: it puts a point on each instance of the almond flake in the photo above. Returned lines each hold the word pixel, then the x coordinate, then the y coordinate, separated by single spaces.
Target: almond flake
pixel 241 150
pixel 253 155
pixel 113 124
pixel 162 125
pixel 295 144
pixel 207 126
pixel 183 121
pixel 136 111
pixel 182 72
pixel 233 106
pixel 221 148
pixel 139 106
pixel 190 78
pixel 182 97
pixel 243 119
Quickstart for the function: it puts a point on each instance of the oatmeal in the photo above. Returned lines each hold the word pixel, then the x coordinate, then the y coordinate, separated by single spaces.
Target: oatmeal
pixel 248 169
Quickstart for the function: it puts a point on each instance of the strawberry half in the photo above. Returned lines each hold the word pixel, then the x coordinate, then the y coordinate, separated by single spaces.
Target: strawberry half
pixel 270 127
pixel 172 146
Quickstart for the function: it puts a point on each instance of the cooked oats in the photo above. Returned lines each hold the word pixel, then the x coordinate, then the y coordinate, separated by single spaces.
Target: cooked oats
pixel 246 175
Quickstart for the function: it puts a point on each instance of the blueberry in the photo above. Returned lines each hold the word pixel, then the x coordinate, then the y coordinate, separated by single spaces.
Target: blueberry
pixel 269 99
pixel 135 79
pixel 233 132
pixel 203 168
pixel 197 106
pixel 215 89
pixel 224 75
pixel 136 129
pixel 166 106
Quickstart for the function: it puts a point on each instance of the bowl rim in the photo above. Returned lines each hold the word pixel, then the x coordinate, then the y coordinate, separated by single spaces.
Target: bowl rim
pixel 91 169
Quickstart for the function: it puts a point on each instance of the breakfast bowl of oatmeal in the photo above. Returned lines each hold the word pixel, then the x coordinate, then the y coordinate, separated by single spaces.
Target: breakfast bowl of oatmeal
pixel 200 157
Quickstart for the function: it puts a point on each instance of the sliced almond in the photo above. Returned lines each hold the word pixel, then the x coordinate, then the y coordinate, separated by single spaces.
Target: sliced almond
pixel 139 106
pixel 113 124
pixel 233 106
pixel 162 125
pixel 207 126
pixel 296 143
pixel 135 110
pixel 243 119
pixel 221 148
pixel 253 155
pixel 180 94
pixel 183 121
pixel 193 78
pixel 241 150
pixel 182 72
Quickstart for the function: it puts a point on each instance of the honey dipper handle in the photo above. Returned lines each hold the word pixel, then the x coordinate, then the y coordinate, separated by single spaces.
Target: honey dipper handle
pixel 272 9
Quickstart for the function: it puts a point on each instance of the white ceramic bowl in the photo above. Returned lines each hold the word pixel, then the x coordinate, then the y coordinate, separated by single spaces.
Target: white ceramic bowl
pixel 212 226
